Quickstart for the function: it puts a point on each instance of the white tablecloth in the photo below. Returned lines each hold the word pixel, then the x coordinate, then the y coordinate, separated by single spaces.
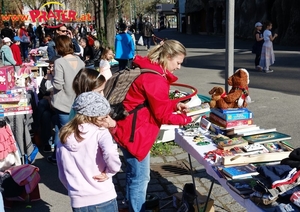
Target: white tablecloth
pixel 198 152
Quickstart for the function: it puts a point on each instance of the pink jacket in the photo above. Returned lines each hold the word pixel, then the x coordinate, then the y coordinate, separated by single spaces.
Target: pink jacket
pixel 78 162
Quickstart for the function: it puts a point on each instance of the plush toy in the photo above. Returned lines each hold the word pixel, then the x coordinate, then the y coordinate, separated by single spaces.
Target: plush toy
pixel 238 96
pixel 216 93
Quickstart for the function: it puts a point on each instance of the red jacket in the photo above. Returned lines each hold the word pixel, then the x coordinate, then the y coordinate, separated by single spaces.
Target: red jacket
pixel 16 53
pixel 154 89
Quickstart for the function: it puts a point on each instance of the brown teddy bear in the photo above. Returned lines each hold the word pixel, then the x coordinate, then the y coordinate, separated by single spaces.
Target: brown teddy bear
pixel 238 96
pixel 216 93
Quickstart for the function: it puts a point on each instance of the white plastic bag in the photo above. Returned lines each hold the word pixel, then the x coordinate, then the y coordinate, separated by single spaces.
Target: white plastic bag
pixel 141 41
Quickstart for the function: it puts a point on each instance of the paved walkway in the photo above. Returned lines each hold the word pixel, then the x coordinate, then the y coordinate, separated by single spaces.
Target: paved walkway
pixel 167 183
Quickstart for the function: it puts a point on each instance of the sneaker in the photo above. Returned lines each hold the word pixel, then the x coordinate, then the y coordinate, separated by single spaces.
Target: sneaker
pixel 52 160
pixel 47 148
pixel 268 71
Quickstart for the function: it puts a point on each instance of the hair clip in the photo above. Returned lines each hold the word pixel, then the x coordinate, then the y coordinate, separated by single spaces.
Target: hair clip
pixel 99 75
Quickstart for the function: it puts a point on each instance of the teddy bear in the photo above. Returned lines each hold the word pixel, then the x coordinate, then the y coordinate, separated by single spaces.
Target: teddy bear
pixel 238 96
pixel 216 93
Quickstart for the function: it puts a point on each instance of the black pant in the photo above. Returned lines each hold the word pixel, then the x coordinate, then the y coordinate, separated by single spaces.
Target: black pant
pixel 123 63
pixel 257 59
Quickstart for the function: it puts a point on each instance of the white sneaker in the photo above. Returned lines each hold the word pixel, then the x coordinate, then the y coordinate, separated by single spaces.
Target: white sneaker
pixel 268 71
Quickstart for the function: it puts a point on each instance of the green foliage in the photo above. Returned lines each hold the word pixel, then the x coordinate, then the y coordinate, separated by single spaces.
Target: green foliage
pixel 165 148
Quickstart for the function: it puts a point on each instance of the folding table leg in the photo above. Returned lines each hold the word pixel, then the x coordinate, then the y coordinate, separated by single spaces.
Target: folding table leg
pixel 193 178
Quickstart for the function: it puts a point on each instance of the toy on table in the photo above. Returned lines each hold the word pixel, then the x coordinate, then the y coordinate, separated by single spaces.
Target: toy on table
pixel 216 94
pixel 238 96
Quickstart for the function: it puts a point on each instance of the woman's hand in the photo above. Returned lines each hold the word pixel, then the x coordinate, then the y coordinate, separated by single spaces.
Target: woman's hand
pixel 182 107
pixel 100 177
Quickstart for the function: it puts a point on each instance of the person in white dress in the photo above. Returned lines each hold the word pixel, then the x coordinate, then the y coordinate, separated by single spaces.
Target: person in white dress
pixel 106 56
pixel 267 54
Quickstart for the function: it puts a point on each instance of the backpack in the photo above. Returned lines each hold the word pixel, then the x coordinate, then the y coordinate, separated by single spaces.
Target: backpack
pixel 116 89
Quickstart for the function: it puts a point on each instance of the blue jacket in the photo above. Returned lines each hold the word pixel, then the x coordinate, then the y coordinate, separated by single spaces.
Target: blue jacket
pixel 7 56
pixel 124 46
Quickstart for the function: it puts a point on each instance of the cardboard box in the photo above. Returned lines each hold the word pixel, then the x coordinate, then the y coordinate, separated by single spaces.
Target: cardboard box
pixel 201 201
pixel 7 78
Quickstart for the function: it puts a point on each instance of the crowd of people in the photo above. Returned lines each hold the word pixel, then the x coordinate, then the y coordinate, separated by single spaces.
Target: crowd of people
pixel 71 100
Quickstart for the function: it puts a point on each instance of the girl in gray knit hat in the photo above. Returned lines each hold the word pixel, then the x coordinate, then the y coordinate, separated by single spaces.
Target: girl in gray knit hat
pixel 87 157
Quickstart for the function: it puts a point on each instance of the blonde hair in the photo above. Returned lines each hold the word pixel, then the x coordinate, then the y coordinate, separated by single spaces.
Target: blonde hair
pixel 105 52
pixel 73 126
pixel 97 44
pixel 168 49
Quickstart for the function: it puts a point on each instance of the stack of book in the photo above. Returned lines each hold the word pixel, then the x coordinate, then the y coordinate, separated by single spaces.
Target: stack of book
pixel 14 102
pixel 231 118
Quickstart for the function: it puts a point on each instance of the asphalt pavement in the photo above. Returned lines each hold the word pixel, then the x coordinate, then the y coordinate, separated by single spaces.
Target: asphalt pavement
pixel 275 96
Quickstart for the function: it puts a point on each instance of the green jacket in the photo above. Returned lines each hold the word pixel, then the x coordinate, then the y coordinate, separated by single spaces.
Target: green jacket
pixel 7 56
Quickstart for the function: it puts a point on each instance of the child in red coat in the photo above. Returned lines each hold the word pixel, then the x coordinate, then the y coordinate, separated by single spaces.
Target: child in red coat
pixel 16 51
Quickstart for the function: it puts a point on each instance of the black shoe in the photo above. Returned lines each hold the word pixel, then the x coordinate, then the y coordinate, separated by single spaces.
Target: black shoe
pixel 47 148
pixel 52 160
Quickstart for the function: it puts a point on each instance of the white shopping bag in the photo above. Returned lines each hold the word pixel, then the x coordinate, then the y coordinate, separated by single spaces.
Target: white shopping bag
pixel 141 41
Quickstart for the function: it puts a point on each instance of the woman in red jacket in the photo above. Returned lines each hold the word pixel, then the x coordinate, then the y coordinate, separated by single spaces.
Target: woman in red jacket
pixel 16 51
pixel 152 90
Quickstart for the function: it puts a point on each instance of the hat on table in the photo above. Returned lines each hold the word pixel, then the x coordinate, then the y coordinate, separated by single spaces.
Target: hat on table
pixel 6 40
pixel 258 24
pixel 91 104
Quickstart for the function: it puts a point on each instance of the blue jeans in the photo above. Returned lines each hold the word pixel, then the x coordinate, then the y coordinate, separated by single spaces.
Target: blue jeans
pixel 147 42
pixel 111 206
pixel 24 48
pixel 137 179
pixel 62 119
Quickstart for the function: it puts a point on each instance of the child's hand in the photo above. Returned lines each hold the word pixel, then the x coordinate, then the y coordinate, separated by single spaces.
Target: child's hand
pixel 107 122
pixel 100 177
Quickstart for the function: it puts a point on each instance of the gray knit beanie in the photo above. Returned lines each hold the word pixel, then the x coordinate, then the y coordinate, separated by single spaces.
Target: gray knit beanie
pixel 91 104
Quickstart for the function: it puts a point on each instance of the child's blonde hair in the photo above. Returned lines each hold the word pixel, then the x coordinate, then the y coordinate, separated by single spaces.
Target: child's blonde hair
pixel 104 52
pixel 167 49
pixel 73 126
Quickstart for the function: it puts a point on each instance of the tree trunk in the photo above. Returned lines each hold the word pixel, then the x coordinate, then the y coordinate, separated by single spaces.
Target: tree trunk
pixel 110 22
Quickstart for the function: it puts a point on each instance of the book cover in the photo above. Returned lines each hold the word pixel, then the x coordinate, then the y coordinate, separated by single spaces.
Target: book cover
pixel 242 186
pixel 217 129
pixel 267 137
pixel 228 144
pixel 203 108
pixel 259 131
pixel 234 110
pixel 229 124
pixel 232 116
pixel 244 171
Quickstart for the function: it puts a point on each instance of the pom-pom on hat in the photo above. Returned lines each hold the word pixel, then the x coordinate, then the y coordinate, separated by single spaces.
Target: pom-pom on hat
pixel 91 104
pixel 258 24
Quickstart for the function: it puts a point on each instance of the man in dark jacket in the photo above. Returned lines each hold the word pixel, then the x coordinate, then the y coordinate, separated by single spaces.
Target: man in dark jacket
pixel 7 32
pixel 147 33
